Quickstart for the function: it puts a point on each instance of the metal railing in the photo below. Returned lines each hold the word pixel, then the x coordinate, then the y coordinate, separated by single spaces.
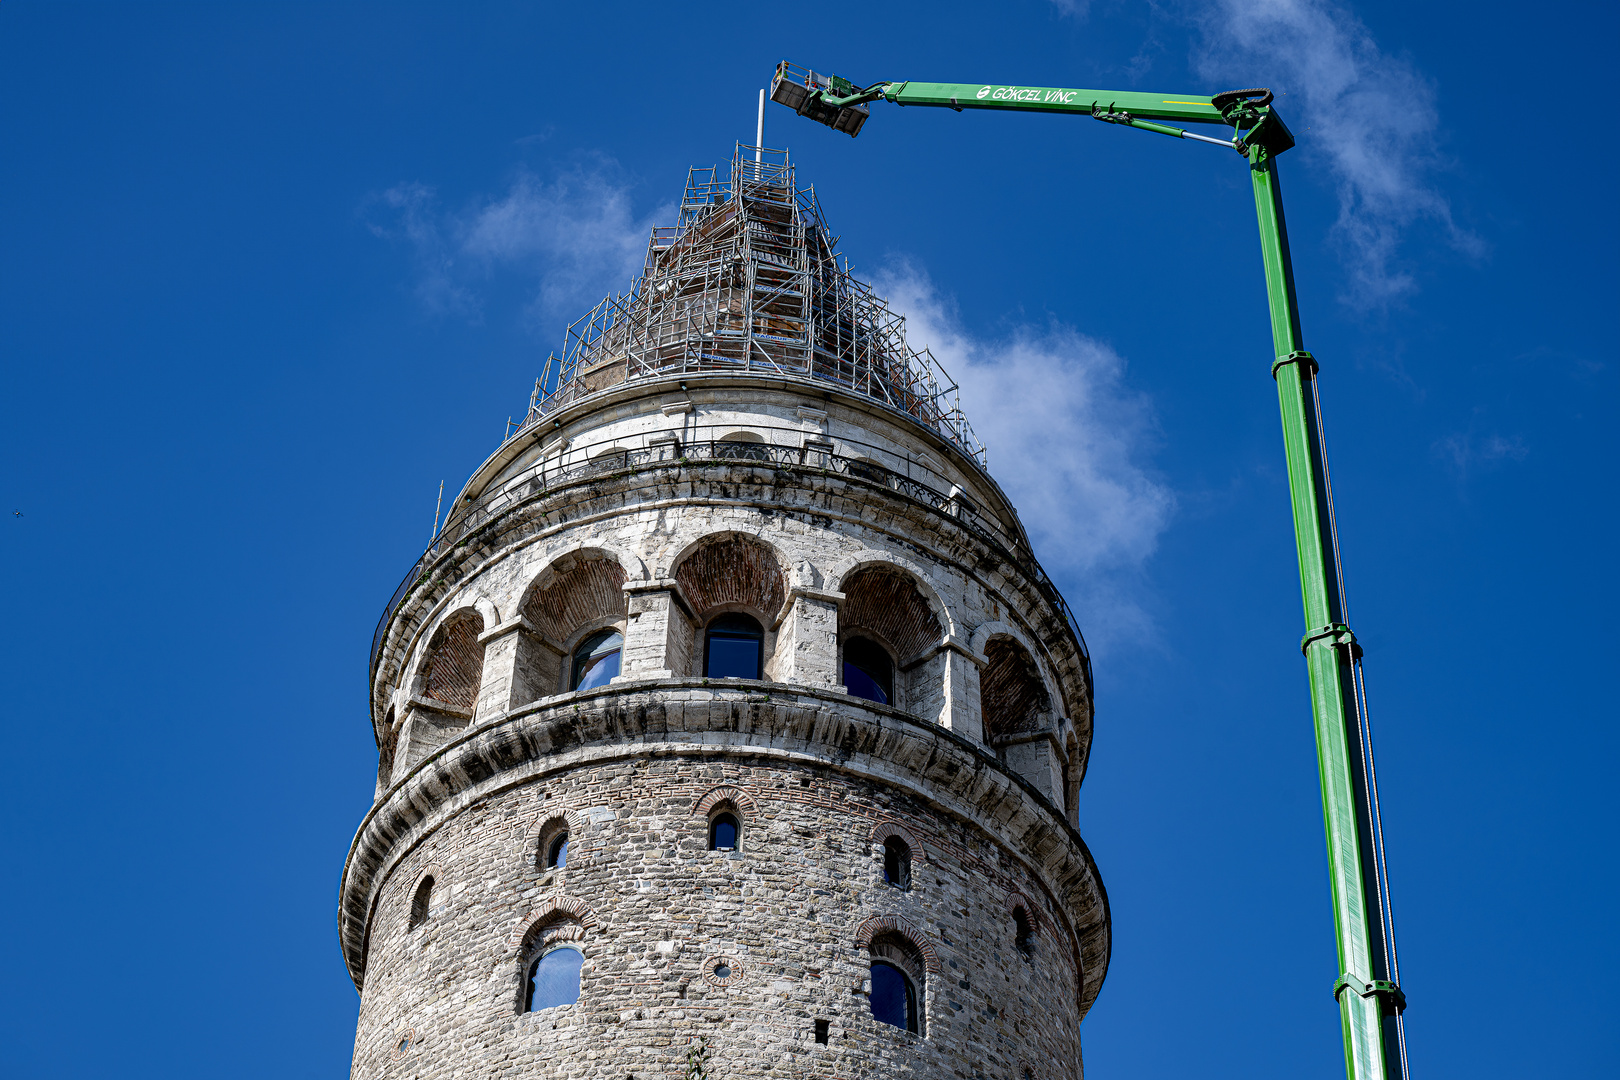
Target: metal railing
pixel 545 478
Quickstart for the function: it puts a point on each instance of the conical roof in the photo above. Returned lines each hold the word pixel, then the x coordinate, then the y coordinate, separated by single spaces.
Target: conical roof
pixel 749 280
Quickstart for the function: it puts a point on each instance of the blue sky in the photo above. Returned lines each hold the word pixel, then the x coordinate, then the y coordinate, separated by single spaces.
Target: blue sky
pixel 272 272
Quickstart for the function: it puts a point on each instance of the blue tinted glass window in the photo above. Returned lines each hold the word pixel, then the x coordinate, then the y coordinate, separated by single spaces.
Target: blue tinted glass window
pixel 892 999
pixel 861 685
pixel 554 979
pixel 597 659
pixel 868 671
pixel 723 834
pixel 732 648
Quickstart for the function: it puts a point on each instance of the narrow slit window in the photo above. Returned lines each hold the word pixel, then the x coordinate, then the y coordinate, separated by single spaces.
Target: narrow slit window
pixel 1023 931
pixel 422 902
pixel 897 863
pixel 557 852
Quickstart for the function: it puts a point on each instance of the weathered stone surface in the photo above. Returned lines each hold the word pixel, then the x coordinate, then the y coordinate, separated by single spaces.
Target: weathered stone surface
pixel 474 785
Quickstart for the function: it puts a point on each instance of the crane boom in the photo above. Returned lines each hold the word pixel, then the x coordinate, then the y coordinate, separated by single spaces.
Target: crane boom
pixel 1370 1012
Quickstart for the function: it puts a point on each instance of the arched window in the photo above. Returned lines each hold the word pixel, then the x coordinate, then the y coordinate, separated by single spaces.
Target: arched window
pixel 733 648
pixel 868 671
pixel 422 902
pixel 897 862
pixel 553 979
pixel 596 660
pixel 894 999
pixel 724 832
pixel 557 852
pixel 897 982
pixel 1023 931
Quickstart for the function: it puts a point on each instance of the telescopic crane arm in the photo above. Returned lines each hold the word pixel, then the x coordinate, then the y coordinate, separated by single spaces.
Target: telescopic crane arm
pixel 1367 989
pixel 841 105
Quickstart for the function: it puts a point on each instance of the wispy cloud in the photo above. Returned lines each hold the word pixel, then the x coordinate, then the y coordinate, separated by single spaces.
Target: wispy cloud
pixel 1067 439
pixel 1467 453
pixel 1371 114
pixel 575 237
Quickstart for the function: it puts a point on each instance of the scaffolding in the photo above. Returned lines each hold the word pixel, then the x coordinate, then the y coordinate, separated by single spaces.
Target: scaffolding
pixel 749 280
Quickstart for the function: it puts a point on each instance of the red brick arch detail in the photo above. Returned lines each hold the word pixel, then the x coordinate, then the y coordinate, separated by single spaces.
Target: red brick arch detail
pixel 894 924
pixel 1016 900
pixel 577 823
pixel 726 793
pixel 886 828
pixel 561 906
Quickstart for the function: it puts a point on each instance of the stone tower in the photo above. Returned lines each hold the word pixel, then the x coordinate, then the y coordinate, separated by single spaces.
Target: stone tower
pixel 729 726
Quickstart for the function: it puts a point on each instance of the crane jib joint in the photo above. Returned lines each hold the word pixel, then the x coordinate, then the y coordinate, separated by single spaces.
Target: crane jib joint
pixel 1387 992
pixel 1303 358
pixel 1335 635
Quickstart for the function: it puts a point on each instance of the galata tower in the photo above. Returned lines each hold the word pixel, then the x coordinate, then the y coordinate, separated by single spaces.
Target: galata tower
pixel 729 726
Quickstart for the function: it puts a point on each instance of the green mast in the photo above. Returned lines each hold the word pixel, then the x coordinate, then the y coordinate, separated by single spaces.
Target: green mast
pixel 1367 989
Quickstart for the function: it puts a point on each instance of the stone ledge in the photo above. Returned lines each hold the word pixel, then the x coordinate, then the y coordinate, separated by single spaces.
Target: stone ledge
pixel 785 722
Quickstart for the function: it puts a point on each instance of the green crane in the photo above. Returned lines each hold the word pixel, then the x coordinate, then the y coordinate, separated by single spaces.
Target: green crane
pixel 1368 987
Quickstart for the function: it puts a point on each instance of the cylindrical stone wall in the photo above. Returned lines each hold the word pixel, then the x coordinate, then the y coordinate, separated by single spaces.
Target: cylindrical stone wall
pixel 644 511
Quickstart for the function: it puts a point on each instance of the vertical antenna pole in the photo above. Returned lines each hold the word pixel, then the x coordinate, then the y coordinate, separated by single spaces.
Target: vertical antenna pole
pixel 436 507
pixel 759 138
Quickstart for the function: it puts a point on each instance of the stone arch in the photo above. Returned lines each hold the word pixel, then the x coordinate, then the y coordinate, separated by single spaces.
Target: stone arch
pixel 878 926
pixel 725 793
pixel 732 570
pixel 885 602
pixel 453 665
pixel 840 570
pixel 1028 922
pixel 419 901
pixel 574 589
pixel 547 824
pixel 882 830
pixel 1015 900
pixel 559 909
pixel 487 611
pixel 1013 695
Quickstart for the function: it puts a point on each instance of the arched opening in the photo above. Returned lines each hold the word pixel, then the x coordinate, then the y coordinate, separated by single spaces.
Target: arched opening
pixel 454 664
pixel 553 979
pixel 733 647
pixel 422 902
pixel 1010 691
pixel 579 590
pixel 557 852
pixel 884 622
pixel 1023 931
pixel 868 670
pixel 897 983
pixel 725 832
pixel 597 660
pixel 897 863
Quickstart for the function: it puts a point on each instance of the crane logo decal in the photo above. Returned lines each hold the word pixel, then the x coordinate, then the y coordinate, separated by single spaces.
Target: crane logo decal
pixel 1026 93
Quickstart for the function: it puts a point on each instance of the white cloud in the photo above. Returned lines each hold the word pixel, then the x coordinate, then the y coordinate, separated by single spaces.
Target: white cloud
pixel 577 237
pixel 1371 114
pixel 1067 439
